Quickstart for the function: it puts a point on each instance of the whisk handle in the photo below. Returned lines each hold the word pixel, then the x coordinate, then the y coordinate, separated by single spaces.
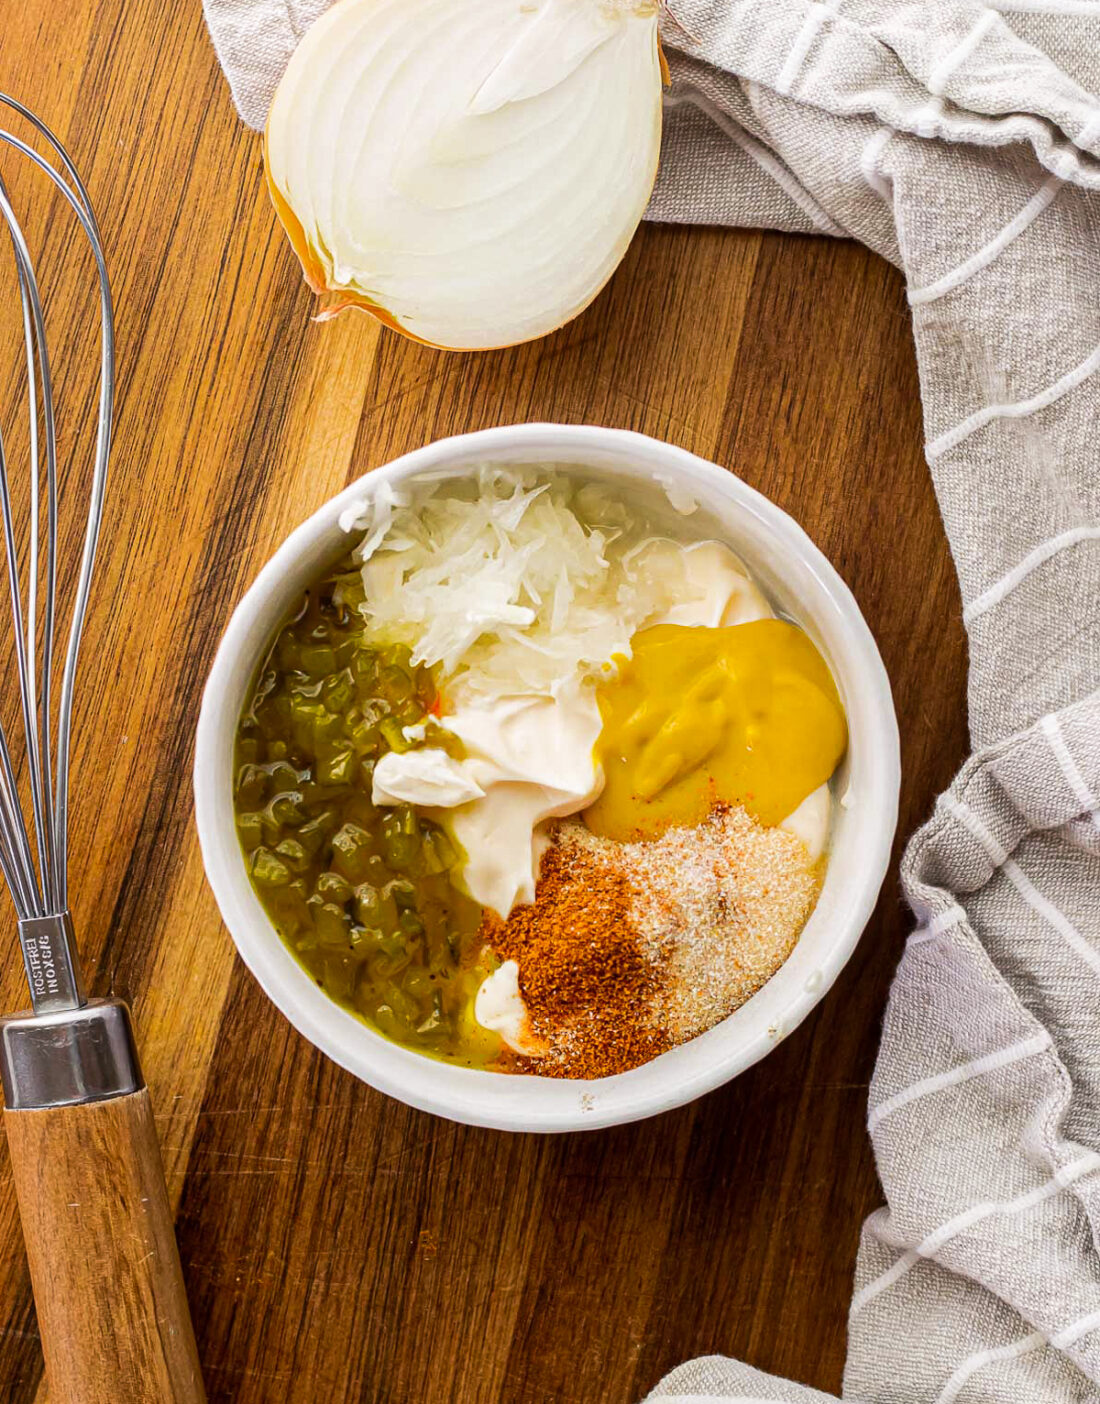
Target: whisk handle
pixel 108 1289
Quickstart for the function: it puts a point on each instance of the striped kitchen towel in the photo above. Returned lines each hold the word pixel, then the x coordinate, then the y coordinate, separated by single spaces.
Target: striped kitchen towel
pixel 960 140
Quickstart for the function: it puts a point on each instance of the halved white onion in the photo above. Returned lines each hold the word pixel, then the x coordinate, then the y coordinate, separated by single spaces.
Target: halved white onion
pixel 470 171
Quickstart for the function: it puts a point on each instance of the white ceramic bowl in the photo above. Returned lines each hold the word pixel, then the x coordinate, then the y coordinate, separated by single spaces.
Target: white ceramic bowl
pixel 794 572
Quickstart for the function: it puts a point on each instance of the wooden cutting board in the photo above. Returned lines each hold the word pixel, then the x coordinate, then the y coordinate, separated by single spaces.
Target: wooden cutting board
pixel 338 1246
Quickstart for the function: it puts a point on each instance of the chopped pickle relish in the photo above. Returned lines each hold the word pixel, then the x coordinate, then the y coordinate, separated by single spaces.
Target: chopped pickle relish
pixel 361 894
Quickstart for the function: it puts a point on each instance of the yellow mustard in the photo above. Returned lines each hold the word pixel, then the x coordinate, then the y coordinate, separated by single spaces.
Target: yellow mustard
pixel 747 715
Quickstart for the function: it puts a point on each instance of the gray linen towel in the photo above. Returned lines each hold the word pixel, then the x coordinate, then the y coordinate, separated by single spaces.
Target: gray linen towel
pixel 961 141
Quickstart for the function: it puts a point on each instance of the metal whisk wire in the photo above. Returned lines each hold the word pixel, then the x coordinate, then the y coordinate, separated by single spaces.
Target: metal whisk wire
pixel 37 874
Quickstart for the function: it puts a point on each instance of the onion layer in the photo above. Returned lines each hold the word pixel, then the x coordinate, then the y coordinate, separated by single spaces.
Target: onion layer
pixel 469 171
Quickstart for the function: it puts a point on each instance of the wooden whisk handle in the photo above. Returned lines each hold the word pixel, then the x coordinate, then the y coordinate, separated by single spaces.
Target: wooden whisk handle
pixel 108 1289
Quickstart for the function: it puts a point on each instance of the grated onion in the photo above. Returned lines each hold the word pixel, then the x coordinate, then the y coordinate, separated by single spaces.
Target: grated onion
pixel 512 581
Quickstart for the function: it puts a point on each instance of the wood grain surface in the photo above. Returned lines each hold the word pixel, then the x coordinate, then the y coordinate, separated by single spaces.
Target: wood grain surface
pixel 338 1246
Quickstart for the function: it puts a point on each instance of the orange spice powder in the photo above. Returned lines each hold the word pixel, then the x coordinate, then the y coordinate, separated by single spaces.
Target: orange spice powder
pixel 585 981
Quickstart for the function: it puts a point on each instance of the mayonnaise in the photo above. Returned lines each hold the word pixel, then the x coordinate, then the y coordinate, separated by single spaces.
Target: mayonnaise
pixel 726 595
pixel 528 759
pixel 499 1006
pixel 810 821
pixel 428 778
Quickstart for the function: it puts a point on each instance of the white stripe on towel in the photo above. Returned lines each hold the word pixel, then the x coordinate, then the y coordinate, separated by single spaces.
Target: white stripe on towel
pixel 873 148
pixel 954 1077
pixel 973 1363
pixel 1042 906
pixel 1041 200
pixel 943 70
pixel 926 119
pixel 816 17
pixel 1039 556
pixel 944 922
pixel 1074 1332
pixel 1032 1341
pixel 930 1245
pixel 1018 410
pixel 1074 779
pixel 1091 130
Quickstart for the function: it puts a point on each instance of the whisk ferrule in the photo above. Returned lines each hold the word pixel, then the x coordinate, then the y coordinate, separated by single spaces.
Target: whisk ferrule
pixel 53 970
pixel 68 1057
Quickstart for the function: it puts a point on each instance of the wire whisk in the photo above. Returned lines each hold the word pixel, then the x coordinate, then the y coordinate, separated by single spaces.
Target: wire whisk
pixel 36 868
pixel 97 1223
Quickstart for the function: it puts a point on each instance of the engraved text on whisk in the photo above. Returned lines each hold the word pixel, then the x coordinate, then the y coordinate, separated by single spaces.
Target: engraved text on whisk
pixel 41 967
pixel 49 958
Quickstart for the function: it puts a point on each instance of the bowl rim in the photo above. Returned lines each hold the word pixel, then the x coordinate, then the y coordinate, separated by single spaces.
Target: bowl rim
pixel 529 1103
